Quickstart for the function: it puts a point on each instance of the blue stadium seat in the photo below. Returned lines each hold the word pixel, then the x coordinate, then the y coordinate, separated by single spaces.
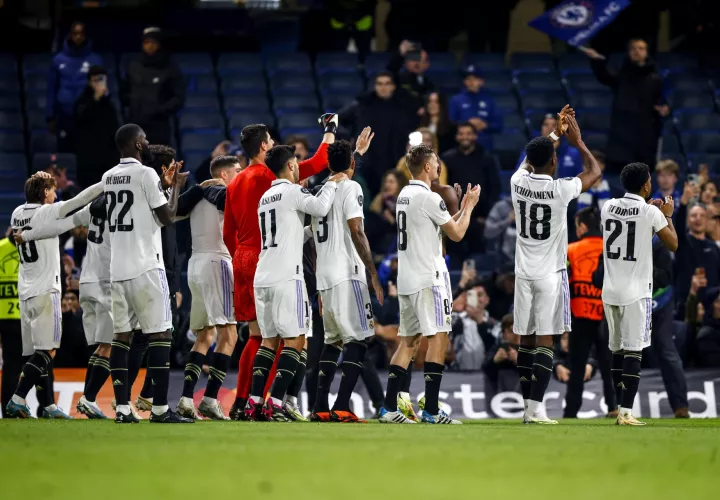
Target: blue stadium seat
pixel 376 62
pixel 12 184
pixel 691 100
pixel 202 85
pixel 298 63
pixel 671 144
pixel 505 176
pixel 550 101
pixel 290 104
pixel 532 62
pixel 200 143
pixel 486 263
pixel 712 160
pixel 701 143
pixel 506 102
pixel 36 84
pixel 12 142
pixel 507 147
pixel 500 81
pixel 245 84
pixel 677 61
pixel 513 122
pixel 9 86
pixel 708 122
pixel 13 162
pixel 294 83
pixel 242 64
pixel 8 65
pixel 336 62
pixel 537 81
pixel 254 102
pixel 583 82
pixel 442 62
pixel 11 121
pixel 9 103
pixel 298 120
pixel 591 100
pixel 486 62
pixel 686 82
pixel 242 118
pixel 40 161
pixel 194 64
pixel 341 84
pixel 595 121
pixel 596 140
pixel 10 201
pixel 201 122
pixel 35 102
pixel 447 83
pixel 574 64
pixel 43 142
pixel 198 103
pixel 335 102
pixel 36 64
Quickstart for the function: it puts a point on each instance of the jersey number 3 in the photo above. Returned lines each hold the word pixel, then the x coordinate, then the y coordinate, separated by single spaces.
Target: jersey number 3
pixel 539 226
pixel 126 199
pixel 263 230
pixel 323 233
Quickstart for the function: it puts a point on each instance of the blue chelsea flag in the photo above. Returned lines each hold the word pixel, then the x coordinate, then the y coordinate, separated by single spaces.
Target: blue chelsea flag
pixel 577 21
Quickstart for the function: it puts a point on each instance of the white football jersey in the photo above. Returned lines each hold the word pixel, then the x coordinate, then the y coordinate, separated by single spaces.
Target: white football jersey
pixel 337 259
pixel 419 215
pixel 540 203
pixel 39 259
pixel 96 264
pixel 206 229
pixel 281 213
pixel 133 191
pixel 628 226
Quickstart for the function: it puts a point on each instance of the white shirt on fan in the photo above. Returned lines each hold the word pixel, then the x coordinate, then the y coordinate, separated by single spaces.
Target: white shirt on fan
pixel 419 214
pixel 628 225
pixel 337 259
pixel 133 191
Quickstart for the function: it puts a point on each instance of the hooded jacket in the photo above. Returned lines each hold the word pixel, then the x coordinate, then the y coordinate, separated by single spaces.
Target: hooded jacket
pixel 68 77
pixel 155 90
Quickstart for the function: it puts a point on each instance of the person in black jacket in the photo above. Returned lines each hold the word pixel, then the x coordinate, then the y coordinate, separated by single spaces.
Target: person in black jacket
pixel 154 89
pixel 96 121
pixel 413 81
pixel 637 108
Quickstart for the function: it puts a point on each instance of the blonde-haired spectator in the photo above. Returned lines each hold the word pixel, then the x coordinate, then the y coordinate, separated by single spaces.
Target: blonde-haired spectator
pixel 430 140
pixel 667 173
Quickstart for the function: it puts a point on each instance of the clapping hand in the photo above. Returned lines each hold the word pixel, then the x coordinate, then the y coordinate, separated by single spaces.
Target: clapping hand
pixel 362 143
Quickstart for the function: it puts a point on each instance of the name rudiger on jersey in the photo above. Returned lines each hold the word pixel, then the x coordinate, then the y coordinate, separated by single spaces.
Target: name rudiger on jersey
pixel 117 179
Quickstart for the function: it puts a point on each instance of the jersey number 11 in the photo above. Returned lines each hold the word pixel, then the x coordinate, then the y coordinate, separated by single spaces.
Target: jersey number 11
pixel 263 231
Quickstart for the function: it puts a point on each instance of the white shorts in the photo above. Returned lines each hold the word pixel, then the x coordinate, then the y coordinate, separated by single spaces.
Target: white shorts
pixel 283 310
pixel 145 300
pixel 426 312
pixel 347 312
pixel 629 326
pixel 96 304
pixel 542 307
pixel 210 279
pixel 40 323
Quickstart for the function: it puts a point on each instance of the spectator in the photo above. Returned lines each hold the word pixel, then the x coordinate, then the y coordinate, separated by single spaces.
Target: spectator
pixel 562 365
pixel 73 351
pixel 437 120
pixel 501 289
pixel 599 193
pixel 500 232
pixel 471 336
pixel 386 112
pixel 667 173
pixel 96 122
pixel 352 20
pixel 708 192
pixel 713 225
pixel 380 227
pixel 500 367
pixel 411 57
pixel 695 250
pixel 707 339
pixel 66 188
pixel 224 148
pixel 301 144
pixel 426 137
pixel 569 160
pixel 637 108
pixel 475 106
pixel 155 89
pixel 468 163
pixel 67 80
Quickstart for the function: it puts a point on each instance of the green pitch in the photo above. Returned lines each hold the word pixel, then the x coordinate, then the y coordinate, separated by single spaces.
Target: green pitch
pixel 488 460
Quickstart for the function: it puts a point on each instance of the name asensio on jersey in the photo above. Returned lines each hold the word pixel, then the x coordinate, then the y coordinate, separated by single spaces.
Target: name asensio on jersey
pixel 623 212
pixel 271 199
pixel 541 195
pixel 118 179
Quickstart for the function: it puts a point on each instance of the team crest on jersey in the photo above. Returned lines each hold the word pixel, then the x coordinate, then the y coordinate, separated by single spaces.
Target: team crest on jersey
pixel 443 207
pixel 360 200
pixel 305 190
pixel 160 186
pixel 448 320
pixel 568 178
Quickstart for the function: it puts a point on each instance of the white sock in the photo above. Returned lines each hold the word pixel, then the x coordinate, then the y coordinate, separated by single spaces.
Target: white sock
pixel 276 401
pixel 18 400
pixel 159 410
pixel 525 403
pixel 291 400
pixel 124 409
pixel 625 411
pixel 187 399
pixel 209 401
pixel 52 407
pixel 533 407
pixel 256 400
pixel 404 395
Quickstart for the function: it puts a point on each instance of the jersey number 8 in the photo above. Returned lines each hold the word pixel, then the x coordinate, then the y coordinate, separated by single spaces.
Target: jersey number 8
pixel 402 230
pixel 539 226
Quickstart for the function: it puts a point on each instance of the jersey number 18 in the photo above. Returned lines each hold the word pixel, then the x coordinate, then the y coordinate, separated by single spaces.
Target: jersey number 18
pixel 539 225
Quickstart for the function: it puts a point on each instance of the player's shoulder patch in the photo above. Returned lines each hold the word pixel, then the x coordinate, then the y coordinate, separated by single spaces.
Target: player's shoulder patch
pixel 305 190
pixel 360 200
pixel 443 207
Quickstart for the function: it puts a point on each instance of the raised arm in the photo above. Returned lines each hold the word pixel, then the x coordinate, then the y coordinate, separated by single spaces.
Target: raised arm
pixel 591 168
pixel 455 230
pixel 317 206
pixel 50 227
pixel 362 245
pixel 165 212
pixel 319 161
pixel 188 200
pixel 667 234
pixel 82 199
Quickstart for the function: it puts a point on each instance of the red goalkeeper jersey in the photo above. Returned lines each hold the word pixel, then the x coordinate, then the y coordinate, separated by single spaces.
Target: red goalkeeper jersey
pixel 241 226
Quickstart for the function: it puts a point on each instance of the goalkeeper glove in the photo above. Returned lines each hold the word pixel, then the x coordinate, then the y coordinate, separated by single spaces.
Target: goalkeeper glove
pixel 330 122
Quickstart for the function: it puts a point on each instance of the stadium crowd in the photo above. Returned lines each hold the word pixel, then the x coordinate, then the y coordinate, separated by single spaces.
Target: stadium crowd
pixel 475 113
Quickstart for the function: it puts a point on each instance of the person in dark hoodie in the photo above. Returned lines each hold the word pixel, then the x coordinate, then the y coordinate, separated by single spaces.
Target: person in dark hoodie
pixel 96 121
pixel 66 81
pixel 637 109
pixel 154 89
pixel 391 118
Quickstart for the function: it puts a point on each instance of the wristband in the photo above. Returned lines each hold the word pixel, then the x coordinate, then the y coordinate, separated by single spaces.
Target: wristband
pixel 554 136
